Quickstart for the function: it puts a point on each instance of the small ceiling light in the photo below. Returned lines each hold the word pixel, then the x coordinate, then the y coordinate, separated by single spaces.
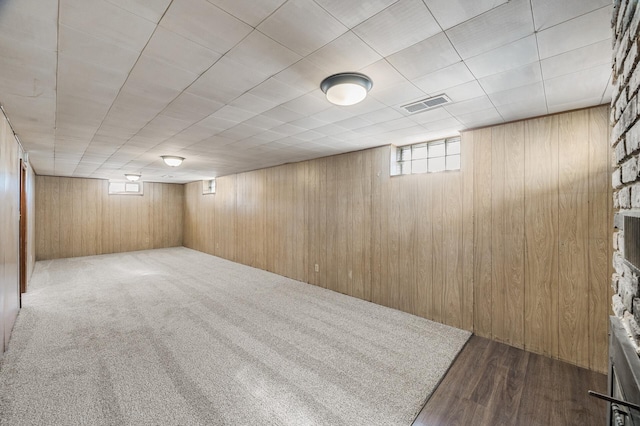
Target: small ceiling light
pixel 347 88
pixel 132 176
pixel 172 160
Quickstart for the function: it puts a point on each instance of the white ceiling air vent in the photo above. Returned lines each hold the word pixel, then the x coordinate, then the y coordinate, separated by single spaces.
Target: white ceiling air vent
pixel 426 104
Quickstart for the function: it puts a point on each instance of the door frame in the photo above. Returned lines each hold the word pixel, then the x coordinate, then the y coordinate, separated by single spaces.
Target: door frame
pixel 24 217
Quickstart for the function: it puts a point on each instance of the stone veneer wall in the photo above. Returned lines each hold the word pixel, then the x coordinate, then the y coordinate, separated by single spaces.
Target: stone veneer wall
pixel 625 142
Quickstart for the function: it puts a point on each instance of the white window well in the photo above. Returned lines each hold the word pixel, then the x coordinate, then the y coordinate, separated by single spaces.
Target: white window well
pixel 427 157
pixel 125 188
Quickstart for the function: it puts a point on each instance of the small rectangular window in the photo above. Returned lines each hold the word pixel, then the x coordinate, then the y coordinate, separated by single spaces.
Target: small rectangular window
pixel 209 186
pixel 125 188
pixel 427 157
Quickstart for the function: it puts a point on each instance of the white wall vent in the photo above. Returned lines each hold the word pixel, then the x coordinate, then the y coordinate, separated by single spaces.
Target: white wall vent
pixel 426 104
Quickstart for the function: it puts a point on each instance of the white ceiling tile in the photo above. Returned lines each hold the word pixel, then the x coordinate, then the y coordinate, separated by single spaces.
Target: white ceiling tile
pixel 250 102
pixel 233 114
pixel 151 10
pixel 308 104
pixel 303 74
pixel 579 32
pixel 449 13
pixel 383 75
pixel 107 21
pixel 513 78
pixel 522 109
pixel 162 74
pixel 26 70
pixel 31 22
pixel 397 27
pixel 250 11
pixel 260 52
pixel 480 118
pixel 353 13
pixel 502 25
pixel 402 93
pixel 346 53
pixel 583 103
pixel 425 57
pixel 262 122
pixel 225 81
pixel 240 132
pixel 84 78
pixel 302 26
pixel 578 86
pixel 548 13
pixel 581 58
pixel 333 114
pixel 309 123
pixel 450 76
pixel 504 58
pixel 276 92
pixel 191 107
pixel 381 115
pixel 429 116
pixel 98 52
pixel 31 115
pixel 531 93
pixel 354 123
pixel 194 133
pixel 463 92
pixel 283 114
pixel 446 127
pixel 180 52
pixel 288 129
pixel 331 129
pixel 206 24
pixel 369 104
pixel 472 105
pixel 309 135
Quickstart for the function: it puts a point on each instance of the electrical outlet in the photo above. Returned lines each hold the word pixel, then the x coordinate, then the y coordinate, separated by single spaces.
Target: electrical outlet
pixel 316 268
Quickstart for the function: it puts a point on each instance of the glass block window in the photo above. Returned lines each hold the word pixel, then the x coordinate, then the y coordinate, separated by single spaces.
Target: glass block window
pixel 429 157
pixel 125 188
pixel 209 186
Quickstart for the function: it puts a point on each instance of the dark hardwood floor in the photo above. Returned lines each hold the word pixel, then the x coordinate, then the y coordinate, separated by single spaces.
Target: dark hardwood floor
pixel 494 384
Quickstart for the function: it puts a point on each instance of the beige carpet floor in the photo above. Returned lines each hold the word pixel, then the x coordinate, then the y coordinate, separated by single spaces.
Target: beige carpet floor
pixel 178 337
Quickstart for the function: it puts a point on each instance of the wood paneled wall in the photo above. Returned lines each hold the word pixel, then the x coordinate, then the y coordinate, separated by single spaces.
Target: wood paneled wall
pixel 543 212
pixel 78 217
pixel 515 246
pixel 9 231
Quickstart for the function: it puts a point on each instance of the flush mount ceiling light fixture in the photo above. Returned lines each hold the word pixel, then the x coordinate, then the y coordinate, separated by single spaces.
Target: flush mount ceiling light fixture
pixel 132 176
pixel 347 88
pixel 172 160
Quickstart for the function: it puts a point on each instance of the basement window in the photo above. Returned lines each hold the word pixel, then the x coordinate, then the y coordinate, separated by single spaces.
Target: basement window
pixel 427 157
pixel 125 188
pixel 209 186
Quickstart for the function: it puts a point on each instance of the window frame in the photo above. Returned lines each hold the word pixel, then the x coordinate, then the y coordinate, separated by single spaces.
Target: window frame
pixel 127 183
pixel 430 157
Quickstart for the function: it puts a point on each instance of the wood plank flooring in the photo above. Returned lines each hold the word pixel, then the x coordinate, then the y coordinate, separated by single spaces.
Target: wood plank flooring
pixel 491 383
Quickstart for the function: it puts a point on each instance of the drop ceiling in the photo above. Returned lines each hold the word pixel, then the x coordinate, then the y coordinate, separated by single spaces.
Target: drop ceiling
pixel 99 88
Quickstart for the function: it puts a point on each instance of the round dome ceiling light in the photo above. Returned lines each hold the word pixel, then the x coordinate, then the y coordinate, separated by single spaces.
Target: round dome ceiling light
pixel 172 160
pixel 347 88
pixel 132 176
